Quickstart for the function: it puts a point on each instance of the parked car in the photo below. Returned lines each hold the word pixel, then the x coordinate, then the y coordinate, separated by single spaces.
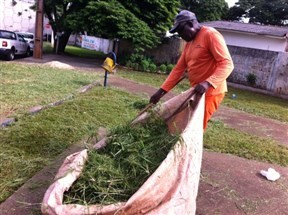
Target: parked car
pixel 12 44
pixel 29 37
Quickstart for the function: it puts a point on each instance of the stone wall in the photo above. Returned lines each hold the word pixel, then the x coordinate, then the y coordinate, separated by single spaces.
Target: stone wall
pixel 278 80
pixel 270 68
pixel 254 61
pixel 168 52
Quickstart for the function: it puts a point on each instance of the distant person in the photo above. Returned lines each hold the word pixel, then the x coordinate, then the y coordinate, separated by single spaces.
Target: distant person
pixel 206 59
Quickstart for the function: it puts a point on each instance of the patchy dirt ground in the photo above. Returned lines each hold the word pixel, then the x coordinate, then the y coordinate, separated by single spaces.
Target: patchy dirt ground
pixel 229 184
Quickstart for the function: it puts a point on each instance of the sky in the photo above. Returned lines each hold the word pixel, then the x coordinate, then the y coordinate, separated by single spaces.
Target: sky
pixel 231 2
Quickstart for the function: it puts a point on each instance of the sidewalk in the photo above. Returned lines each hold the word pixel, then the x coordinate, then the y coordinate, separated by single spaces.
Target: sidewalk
pixel 229 184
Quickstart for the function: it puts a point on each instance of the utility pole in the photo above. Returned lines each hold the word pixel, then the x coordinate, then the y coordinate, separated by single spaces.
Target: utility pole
pixel 38 31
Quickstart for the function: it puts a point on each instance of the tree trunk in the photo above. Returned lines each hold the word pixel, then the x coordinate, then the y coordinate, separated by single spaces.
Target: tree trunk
pixel 63 40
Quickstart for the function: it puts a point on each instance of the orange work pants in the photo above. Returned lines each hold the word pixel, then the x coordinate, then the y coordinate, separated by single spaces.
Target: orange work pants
pixel 211 105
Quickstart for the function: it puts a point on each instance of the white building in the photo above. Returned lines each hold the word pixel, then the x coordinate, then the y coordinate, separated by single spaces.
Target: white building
pixel 264 37
pixel 16 15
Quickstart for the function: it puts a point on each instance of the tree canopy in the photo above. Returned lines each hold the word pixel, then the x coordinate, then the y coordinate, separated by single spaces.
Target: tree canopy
pixel 206 10
pixel 272 12
pixel 142 22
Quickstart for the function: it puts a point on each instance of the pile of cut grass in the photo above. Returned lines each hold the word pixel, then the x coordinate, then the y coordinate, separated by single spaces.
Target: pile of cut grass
pixel 115 172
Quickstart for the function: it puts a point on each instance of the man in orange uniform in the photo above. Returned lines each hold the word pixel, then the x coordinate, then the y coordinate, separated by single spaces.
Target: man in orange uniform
pixel 205 58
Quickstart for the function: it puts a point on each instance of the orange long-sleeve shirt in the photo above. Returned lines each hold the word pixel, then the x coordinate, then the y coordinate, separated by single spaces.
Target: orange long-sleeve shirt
pixel 206 58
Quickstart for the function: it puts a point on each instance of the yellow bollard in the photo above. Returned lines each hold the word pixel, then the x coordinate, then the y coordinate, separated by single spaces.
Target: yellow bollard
pixel 109 65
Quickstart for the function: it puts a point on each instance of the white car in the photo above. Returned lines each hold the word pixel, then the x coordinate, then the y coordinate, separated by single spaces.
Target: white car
pixel 29 37
pixel 12 44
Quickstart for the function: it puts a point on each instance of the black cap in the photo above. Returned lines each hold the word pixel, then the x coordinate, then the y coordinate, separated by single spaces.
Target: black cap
pixel 183 16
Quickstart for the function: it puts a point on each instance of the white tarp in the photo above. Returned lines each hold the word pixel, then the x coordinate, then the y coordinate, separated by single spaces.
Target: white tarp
pixel 171 190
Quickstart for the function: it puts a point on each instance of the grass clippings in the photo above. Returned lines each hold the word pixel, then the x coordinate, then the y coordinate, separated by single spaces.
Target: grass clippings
pixel 115 172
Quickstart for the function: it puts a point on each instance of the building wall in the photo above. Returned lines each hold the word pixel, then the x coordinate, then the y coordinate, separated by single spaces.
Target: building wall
pixel 269 67
pixel 19 16
pixel 168 52
pixel 254 41
pixel 278 80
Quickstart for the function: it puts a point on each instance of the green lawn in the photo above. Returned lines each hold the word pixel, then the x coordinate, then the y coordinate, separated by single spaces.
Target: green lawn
pixel 47 48
pixel 238 143
pixel 84 53
pixel 258 104
pixel 25 86
pixel 76 51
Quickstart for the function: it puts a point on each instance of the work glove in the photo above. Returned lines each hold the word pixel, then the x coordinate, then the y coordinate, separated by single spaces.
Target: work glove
pixel 157 96
pixel 202 87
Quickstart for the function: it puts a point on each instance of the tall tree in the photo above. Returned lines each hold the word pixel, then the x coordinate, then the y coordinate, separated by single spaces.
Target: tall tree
pixel 142 22
pixel 158 15
pixel 57 11
pixel 272 12
pixel 206 10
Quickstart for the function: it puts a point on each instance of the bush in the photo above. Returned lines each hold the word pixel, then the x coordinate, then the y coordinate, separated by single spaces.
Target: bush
pixel 251 79
pixel 163 68
pixel 138 62
pixel 152 67
pixel 136 58
pixel 141 62
pixel 133 61
pixel 129 64
pixel 144 66
pixel 169 68
pixel 135 66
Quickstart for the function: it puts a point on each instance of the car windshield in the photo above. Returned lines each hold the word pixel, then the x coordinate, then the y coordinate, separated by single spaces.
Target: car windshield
pixel 27 36
pixel 7 35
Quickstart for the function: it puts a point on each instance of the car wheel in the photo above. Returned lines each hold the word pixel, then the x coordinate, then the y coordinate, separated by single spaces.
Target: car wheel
pixel 28 52
pixel 11 55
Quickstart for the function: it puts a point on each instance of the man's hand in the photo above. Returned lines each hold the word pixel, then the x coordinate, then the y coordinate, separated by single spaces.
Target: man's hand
pixel 157 96
pixel 202 87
